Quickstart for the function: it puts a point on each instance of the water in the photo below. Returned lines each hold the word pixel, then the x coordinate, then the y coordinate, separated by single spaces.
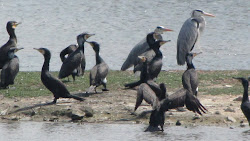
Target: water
pixel 36 131
pixel 119 25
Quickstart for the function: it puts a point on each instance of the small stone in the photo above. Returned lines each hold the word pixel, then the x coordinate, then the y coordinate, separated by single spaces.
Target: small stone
pixel 231 119
pixel 89 112
pixel 196 117
pixel 178 123
pixel 217 112
pixel 77 115
pixel 53 119
pixel 238 98
pixel 231 128
pixel 229 109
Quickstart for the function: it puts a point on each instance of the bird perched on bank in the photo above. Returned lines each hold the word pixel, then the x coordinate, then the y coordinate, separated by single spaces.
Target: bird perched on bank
pixel 10 68
pixel 74 59
pixel 245 105
pixel 143 47
pixel 53 84
pixel 190 33
pixel 190 77
pixel 154 66
pixel 99 72
pixel 66 52
pixel 12 42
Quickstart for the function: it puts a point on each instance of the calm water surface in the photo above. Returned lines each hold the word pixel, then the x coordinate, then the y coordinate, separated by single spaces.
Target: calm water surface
pixel 37 131
pixel 119 25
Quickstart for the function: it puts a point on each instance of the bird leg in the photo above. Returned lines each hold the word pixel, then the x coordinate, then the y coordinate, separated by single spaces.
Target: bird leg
pixel 105 87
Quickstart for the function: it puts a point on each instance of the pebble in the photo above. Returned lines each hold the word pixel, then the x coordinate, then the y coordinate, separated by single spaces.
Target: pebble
pixel 217 112
pixel 178 123
pixel 238 98
pixel 229 109
pixel 231 119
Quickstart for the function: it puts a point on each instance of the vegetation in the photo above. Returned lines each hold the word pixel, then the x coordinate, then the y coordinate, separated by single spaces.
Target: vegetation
pixel 28 84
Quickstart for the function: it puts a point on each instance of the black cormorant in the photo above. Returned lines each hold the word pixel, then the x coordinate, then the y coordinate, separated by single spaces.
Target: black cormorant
pixel 11 25
pixel 143 47
pixel 10 68
pixel 190 77
pixel 99 72
pixel 74 59
pixel 56 86
pixel 152 68
pixel 66 52
pixel 245 105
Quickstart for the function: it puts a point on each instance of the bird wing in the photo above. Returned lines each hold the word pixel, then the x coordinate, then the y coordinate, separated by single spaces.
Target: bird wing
pixel 10 71
pixel 146 93
pixel 245 107
pixel 70 63
pixel 190 80
pixel 138 49
pixel 98 73
pixel 186 40
pixel 149 54
pixel 179 99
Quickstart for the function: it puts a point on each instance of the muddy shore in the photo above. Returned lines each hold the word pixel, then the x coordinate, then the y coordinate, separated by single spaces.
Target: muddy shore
pixel 117 107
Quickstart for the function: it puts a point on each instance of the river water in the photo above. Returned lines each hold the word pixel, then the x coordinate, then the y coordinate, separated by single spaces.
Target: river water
pixel 119 25
pixel 37 131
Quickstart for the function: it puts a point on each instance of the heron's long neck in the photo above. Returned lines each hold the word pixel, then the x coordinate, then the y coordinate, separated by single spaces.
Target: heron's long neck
pixel 202 23
pixel 245 94
pixel 45 67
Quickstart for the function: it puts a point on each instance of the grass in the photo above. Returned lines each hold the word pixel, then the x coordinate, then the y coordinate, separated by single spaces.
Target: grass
pixel 28 84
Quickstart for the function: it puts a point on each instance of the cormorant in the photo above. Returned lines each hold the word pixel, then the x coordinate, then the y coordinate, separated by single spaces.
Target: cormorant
pixel 143 47
pixel 10 68
pixel 178 99
pixel 189 34
pixel 99 72
pixel 11 25
pixel 245 105
pixel 67 51
pixel 189 77
pixel 74 59
pixel 54 85
pixel 154 66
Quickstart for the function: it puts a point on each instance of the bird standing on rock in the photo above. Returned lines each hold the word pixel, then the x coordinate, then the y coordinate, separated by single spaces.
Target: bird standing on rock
pixel 53 84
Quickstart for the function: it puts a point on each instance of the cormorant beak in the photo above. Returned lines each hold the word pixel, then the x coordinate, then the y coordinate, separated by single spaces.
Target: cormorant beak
pixel 195 54
pixel 15 24
pixel 89 35
pixel 142 58
pixel 17 49
pixel 238 78
pixel 40 50
pixel 163 42
pixel 208 14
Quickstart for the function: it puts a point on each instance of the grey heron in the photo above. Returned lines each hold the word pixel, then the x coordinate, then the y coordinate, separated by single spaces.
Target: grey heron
pixel 189 34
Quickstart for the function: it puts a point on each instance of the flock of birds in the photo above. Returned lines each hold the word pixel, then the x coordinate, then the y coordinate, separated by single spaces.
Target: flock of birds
pixel 146 57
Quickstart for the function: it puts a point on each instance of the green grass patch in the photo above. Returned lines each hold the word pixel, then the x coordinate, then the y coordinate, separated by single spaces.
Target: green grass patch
pixel 28 84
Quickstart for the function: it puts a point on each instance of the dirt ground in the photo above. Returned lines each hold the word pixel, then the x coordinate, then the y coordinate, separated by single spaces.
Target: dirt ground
pixel 117 107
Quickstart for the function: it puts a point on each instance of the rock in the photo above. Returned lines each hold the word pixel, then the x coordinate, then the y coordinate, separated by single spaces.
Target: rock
pixel 29 113
pixel 77 115
pixel 89 112
pixel 53 119
pixel 178 123
pixel 238 98
pixel 196 117
pixel 217 112
pixel 62 112
pixel 231 119
pixel 4 112
pixel 229 109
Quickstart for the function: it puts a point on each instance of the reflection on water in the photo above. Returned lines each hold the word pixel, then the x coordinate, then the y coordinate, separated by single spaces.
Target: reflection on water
pixel 119 25
pixel 36 131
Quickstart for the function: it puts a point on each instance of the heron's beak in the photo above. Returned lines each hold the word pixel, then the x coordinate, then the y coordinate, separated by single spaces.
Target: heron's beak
pixel 208 14
pixel 166 29
pixel 142 58
pixel 195 54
